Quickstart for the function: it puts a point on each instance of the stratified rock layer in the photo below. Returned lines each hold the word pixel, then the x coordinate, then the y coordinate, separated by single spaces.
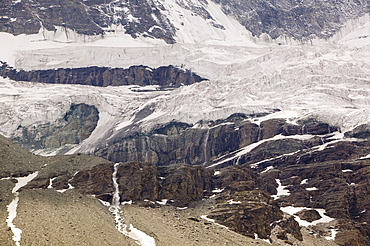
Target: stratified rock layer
pixel 105 76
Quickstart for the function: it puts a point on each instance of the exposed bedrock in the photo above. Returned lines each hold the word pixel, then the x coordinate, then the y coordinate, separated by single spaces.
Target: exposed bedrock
pixel 335 178
pixel 76 125
pixel 297 19
pixel 92 17
pixel 207 143
pixel 137 181
pixel 105 76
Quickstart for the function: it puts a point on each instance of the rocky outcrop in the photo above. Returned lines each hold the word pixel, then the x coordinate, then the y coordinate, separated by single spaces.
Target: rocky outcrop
pixel 181 184
pixel 361 131
pixel 29 16
pixel 332 178
pixel 168 76
pixel 184 184
pixel 309 215
pixel 247 208
pixel 206 143
pixel 138 181
pixel 85 17
pixel 297 19
pixel 76 125
pixel 248 213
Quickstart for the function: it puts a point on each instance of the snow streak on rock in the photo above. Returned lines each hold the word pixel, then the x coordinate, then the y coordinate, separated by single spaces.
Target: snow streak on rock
pixel 281 191
pixel 115 208
pixel 12 207
pixel 293 210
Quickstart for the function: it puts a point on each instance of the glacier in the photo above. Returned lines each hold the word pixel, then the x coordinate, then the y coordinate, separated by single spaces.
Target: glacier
pixel 324 79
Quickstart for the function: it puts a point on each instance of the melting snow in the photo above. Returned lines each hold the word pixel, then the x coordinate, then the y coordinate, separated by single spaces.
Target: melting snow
pixel 293 210
pixel 50 186
pixel 333 234
pixel 252 146
pixel 162 202
pixel 281 191
pixel 130 231
pixel 268 169
pixel 213 221
pixel 218 190
pixel 107 204
pixel 311 188
pixel 12 207
pixel 365 157
pixel 234 202
pixel 140 236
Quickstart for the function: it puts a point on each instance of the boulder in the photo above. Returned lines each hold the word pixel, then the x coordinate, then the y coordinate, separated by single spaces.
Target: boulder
pixel 309 215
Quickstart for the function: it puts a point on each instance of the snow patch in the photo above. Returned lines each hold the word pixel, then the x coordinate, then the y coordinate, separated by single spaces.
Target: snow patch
pixel 333 234
pixel 268 169
pixel 231 202
pixel 281 191
pixel 12 207
pixel 218 190
pixel 311 189
pixel 293 210
pixel 162 202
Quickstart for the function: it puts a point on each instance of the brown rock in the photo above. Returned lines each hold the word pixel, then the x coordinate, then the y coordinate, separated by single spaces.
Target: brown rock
pixel 97 180
pixel 309 215
pixel 137 181
pixel 184 184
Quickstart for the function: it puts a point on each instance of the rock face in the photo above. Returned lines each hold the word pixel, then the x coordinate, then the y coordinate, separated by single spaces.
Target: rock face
pixel 104 76
pixel 184 184
pixel 297 19
pixel 76 125
pixel 213 142
pixel 332 178
pixel 181 184
pixel 309 215
pixel 361 131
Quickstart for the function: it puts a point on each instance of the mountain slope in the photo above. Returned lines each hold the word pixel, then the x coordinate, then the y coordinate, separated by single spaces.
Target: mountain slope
pixel 165 20
pixel 271 140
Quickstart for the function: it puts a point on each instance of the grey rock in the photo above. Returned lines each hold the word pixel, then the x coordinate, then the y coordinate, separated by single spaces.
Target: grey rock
pixel 76 125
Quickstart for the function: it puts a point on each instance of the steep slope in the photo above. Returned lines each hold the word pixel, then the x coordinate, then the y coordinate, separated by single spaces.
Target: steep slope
pixel 166 20
pixel 273 144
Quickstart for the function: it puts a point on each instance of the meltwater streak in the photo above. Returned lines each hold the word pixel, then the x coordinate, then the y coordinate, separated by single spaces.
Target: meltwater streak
pixel 130 231
pixel 12 207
